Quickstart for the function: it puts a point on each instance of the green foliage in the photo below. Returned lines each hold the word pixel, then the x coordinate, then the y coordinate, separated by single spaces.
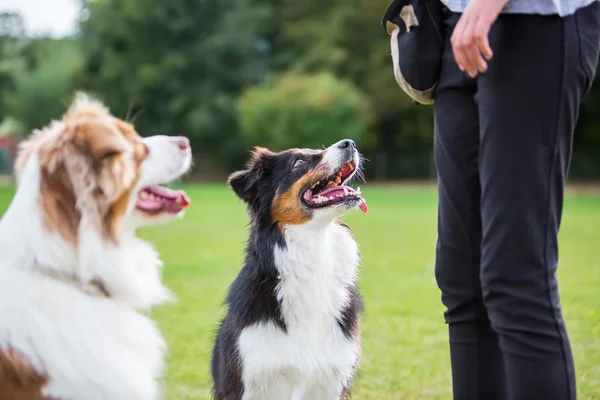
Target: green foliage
pixel 345 38
pixel 180 66
pixel 176 66
pixel 41 93
pixel 10 126
pixel 303 111
pixel 11 60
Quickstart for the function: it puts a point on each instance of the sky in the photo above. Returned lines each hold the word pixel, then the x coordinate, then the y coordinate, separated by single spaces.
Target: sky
pixel 56 18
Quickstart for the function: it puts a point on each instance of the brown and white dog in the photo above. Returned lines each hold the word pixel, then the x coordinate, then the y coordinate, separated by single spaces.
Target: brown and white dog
pixel 73 276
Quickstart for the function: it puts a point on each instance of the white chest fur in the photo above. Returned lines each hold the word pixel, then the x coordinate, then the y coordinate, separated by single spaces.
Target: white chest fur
pixel 92 348
pixel 313 359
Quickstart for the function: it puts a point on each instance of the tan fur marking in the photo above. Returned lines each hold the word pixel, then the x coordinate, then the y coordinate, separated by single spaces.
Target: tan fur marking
pixel 19 380
pixel 117 209
pixel 287 207
pixel 86 167
pixel 140 150
pixel 57 201
pixel 112 221
pixel 99 137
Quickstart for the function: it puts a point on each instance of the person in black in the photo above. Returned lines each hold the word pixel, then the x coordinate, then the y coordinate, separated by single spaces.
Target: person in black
pixel 504 124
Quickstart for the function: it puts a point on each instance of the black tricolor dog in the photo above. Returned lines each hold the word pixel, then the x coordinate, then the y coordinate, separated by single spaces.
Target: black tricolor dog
pixel 292 328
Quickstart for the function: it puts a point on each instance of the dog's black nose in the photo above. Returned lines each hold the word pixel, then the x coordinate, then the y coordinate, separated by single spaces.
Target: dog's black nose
pixel 346 143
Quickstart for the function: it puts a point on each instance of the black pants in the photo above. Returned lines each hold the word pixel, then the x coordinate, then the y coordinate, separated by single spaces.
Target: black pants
pixel 502 148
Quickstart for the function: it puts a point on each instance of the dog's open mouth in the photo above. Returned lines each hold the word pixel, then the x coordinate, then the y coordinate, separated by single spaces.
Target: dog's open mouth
pixel 332 190
pixel 157 199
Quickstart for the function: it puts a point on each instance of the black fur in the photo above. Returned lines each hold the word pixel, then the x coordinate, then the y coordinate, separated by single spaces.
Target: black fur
pixel 351 313
pixel 252 296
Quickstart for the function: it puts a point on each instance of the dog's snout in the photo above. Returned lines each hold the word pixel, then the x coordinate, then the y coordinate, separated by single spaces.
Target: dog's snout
pixel 346 144
pixel 182 142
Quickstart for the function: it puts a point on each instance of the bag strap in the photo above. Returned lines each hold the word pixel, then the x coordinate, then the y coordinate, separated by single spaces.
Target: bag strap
pixel 391 19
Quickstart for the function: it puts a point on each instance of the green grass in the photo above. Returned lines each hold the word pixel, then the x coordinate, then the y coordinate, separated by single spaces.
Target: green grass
pixel 405 343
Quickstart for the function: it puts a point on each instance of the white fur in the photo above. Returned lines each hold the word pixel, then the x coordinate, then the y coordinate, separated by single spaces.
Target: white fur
pixel 333 157
pixel 92 348
pixel 313 360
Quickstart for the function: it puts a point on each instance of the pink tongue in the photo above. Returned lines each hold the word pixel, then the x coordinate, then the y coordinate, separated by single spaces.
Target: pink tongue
pixel 148 204
pixel 334 189
pixel 363 206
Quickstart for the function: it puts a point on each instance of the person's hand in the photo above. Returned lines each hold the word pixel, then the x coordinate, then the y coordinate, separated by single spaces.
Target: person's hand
pixel 469 40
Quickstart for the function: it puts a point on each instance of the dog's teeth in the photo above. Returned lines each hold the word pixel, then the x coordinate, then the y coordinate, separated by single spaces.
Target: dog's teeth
pixel 178 200
pixel 144 195
pixel 358 190
pixel 345 191
pixel 330 197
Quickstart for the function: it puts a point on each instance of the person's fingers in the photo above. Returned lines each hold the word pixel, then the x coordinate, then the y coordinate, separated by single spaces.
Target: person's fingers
pixel 482 30
pixel 464 46
pixel 460 45
pixel 472 51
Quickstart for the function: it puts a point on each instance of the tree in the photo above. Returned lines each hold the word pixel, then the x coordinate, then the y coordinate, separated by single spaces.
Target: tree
pixel 344 37
pixel 11 60
pixel 176 67
pixel 43 91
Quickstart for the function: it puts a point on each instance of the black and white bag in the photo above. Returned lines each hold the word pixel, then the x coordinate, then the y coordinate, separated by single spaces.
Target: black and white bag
pixel 416 39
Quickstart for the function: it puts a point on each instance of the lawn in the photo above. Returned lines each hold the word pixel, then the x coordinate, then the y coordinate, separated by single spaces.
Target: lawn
pixel 405 344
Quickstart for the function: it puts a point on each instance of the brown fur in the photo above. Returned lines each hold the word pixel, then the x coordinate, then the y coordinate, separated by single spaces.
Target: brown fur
pixel 84 169
pixel 257 155
pixel 19 380
pixel 287 207
pixel 58 204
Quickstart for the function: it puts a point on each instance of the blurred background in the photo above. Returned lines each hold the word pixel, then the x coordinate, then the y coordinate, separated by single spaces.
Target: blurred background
pixel 229 74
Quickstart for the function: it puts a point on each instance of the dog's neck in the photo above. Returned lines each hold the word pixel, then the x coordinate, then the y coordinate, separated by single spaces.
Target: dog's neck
pixel 317 246
pixel 129 270
pixel 317 265
pixel 24 241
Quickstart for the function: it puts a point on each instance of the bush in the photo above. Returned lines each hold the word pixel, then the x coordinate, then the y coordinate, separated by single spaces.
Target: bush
pixel 303 111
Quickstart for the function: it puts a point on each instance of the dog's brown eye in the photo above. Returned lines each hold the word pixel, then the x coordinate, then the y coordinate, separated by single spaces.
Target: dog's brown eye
pixel 299 162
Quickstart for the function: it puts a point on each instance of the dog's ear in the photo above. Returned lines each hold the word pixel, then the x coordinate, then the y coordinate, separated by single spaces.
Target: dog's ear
pixel 244 182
